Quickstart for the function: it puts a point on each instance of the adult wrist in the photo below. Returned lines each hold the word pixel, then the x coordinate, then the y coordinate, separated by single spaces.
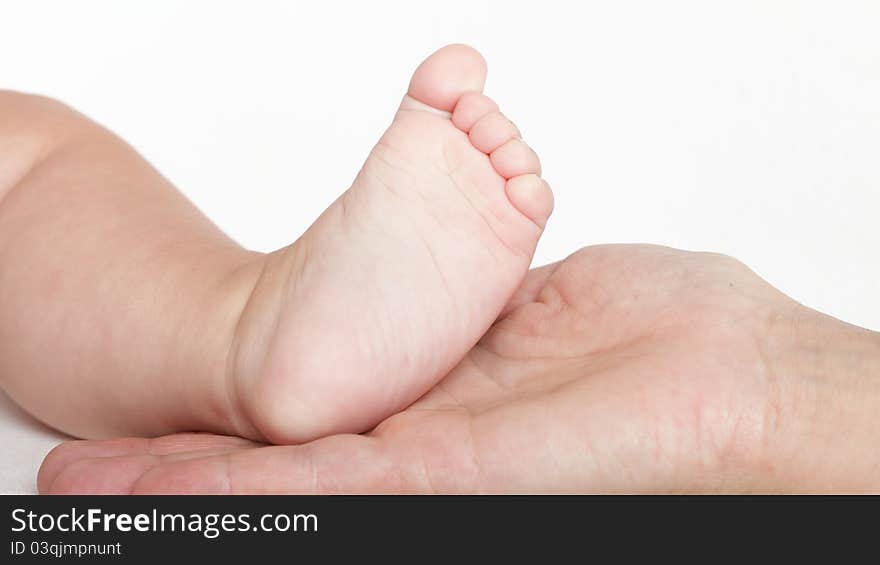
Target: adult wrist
pixel 824 434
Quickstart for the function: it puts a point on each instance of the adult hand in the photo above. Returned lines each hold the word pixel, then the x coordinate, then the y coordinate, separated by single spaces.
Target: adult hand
pixel 622 368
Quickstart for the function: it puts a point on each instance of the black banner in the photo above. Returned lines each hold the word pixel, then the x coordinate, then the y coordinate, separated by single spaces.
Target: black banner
pixel 285 529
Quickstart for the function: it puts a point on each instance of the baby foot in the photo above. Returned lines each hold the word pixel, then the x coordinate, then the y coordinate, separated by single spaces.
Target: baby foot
pixel 400 277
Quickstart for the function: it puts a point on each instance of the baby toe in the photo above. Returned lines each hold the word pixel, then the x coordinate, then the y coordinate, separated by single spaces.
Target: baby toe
pixel 470 108
pixel 515 158
pixel 531 195
pixel 492 131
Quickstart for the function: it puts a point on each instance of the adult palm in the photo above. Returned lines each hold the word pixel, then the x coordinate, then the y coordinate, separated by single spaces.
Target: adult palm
pixel 622 368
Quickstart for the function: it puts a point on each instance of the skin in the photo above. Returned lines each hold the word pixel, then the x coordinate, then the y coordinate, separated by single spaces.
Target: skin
pixel 159 323
pixel 620 369
pixel 379 299
pixel 624 368
pixel 106 261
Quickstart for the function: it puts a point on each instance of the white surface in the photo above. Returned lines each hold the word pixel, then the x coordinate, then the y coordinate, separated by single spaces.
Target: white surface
pixel 24 442
pixel 749 128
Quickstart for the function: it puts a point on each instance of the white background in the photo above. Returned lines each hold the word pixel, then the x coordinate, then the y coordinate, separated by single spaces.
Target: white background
pixel 748 128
